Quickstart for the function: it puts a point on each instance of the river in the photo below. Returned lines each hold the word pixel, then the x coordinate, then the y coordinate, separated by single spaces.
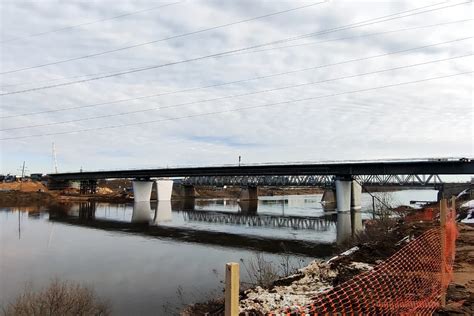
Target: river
pixel 151 259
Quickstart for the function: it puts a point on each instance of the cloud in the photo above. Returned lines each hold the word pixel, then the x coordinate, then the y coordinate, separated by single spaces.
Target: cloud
pixel 432 118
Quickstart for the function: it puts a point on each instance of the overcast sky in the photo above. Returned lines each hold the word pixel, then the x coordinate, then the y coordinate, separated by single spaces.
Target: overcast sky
pixel 430 118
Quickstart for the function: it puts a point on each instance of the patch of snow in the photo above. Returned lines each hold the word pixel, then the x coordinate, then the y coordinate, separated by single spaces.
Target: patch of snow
pixel 345 253
pixel 313 279
pixel 468 204
pixel 470 217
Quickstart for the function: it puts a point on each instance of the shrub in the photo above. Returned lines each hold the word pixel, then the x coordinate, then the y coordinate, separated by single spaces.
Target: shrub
pixel 59 298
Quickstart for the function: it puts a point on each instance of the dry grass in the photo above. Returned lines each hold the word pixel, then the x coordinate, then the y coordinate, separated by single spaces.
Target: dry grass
pixel 60 298
pixel 264 272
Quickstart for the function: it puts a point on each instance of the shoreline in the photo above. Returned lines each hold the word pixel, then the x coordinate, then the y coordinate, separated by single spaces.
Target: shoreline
pixel 31 193
pixel 369 250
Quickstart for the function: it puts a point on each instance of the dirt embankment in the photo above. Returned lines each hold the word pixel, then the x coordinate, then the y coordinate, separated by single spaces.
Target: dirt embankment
pixel 27 186
pixel 234 191
pixel 460 295
pixel 24 194
pixel 380 240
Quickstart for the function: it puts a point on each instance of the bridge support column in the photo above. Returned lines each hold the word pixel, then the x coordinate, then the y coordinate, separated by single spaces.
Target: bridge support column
pixel 248 207
pixel 328 200
pixel 249 193
pixel 189 191
pixel 142 190
pixel 356 193
pixel 343 194
pixel 88 187
pixel 164 189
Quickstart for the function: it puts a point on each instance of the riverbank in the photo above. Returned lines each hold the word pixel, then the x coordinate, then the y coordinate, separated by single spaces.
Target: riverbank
pixel 380 240
pixel 30 193
pixel 460 295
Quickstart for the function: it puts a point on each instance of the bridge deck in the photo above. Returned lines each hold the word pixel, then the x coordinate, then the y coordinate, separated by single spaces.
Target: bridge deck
pixel 424 167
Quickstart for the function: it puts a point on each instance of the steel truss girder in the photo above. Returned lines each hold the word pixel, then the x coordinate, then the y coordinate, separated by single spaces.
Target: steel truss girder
pixel 314 180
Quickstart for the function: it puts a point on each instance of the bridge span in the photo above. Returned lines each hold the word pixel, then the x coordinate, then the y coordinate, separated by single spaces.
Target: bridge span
pixel 346 177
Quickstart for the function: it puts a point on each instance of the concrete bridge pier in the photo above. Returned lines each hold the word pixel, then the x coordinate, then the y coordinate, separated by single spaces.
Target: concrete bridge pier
pixel 328 200
pixel 189 204
pixel 356 208
pixel 88 187
pixel 343 231
pixel 164 189
pixel 142 190
pixel 356 194
pixel 248 207
pixel 356 222
pixel 343 194
pixel 189 191
pixel 249 193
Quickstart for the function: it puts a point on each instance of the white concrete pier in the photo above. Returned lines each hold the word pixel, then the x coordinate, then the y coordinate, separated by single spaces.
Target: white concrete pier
pixel 142 190
pixel 343 195
pixel 356 194
pixel 344 231
pixel 164 189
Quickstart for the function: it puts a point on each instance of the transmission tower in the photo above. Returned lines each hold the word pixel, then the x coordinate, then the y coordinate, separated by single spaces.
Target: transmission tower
pixel 54 159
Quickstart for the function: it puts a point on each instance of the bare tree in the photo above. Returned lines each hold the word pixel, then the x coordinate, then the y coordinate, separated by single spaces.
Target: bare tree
pixel 60 298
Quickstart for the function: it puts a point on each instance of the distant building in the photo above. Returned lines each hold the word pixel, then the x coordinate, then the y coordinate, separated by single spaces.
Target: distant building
pixel 36 176
pixel 9 178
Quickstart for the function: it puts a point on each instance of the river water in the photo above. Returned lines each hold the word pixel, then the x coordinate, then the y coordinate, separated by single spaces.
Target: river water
pixel 150 259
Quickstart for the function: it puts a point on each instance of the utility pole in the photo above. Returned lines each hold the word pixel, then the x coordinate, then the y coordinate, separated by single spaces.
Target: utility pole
pixel 240 158
pixel 22 168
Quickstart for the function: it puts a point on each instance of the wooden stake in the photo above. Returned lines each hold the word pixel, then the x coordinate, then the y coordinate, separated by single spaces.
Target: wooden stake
pixel 232 289
pixel 443 205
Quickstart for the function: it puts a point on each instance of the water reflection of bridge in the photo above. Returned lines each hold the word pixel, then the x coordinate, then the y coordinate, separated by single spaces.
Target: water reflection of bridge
pixel 145 223
pixel 154 221
pixel 279 221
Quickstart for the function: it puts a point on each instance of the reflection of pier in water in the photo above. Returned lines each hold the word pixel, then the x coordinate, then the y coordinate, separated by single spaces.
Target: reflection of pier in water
pixel 279 221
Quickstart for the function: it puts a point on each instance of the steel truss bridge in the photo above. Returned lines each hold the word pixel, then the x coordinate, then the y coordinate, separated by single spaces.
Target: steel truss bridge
pixel 415 180
pixel 294 222
pixel 420 171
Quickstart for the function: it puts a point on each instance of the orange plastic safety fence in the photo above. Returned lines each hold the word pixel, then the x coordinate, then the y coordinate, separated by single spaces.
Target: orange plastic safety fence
pixel 410 282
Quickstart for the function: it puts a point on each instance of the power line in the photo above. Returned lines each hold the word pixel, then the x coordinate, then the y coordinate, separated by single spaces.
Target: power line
pixel 222 54
pixel 237 109
pixel 372 195
pixel 353 37
pixel 162 39
pixel 234 96
pixel 237 81
pixel 267 49
pixel 88 23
